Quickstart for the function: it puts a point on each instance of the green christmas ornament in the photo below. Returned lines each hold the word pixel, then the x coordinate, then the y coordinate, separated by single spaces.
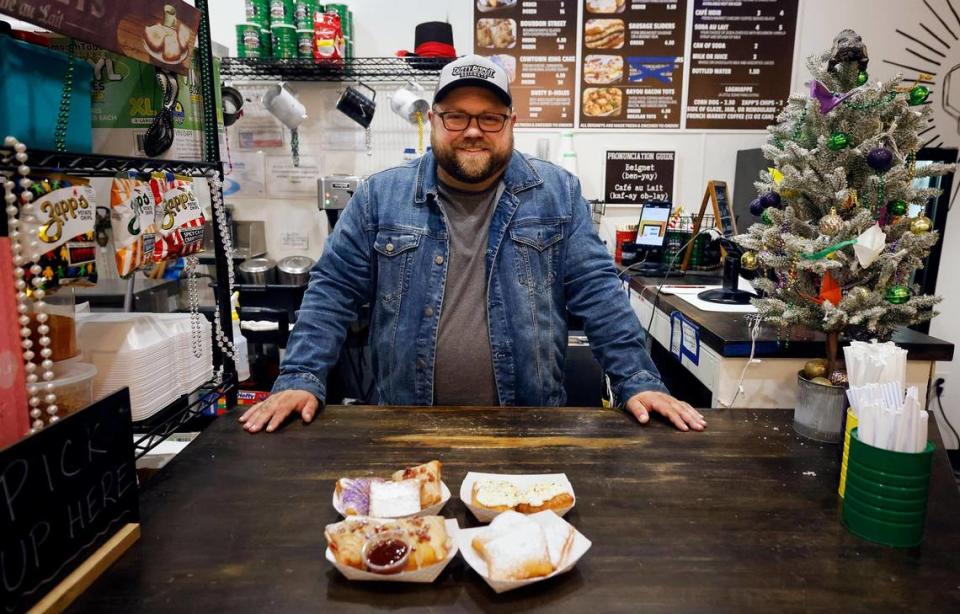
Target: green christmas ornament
pixel 898 294
pixel 897 207
pixel 765 217
pixel 838 141
pixel 862 77
pixel 918 94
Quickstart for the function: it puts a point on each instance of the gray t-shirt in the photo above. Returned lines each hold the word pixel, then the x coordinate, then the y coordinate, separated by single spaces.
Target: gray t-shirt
pixel 463 374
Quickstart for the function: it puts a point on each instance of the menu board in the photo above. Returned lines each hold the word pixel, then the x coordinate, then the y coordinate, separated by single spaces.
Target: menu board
pixel 535 41
pixel 637 177
pixel 632 68
pixel 740 64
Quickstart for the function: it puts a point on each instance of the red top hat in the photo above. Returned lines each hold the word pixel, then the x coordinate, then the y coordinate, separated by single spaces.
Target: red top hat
pixel 432 39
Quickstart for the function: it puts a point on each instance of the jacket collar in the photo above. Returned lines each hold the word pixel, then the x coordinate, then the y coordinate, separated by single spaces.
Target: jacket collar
pixel 520 175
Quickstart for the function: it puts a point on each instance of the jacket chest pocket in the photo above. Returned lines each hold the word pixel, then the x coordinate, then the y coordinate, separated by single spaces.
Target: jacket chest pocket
pixel 537 252
pixel 395 252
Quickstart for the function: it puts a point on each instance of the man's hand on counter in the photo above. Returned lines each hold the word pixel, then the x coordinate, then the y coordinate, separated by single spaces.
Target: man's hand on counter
pixel 272 412
pixel 681 414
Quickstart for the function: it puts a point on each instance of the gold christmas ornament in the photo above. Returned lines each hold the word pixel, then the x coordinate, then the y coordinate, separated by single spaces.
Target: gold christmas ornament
pixel 920 225
pixel 749 261
pixel 859 293
pixel 830 224
pixel 822 381
pixel 788 193
pixel 815 368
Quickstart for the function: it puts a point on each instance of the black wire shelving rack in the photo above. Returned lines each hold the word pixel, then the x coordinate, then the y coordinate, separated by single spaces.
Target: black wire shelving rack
pixel 368 70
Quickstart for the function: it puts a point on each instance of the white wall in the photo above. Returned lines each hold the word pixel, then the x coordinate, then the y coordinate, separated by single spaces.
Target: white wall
pixel 384 26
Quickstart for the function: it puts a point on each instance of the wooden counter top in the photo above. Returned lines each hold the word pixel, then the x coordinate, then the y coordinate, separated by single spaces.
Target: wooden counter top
pixel 742 517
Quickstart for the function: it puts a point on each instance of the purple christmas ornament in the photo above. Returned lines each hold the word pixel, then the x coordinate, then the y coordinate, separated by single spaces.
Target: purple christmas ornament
pixel 770 199
pixel 827 99
pixel 880 159
pixel 756 207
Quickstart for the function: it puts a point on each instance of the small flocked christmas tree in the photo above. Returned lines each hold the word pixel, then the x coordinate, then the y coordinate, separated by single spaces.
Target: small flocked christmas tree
pixel 835 248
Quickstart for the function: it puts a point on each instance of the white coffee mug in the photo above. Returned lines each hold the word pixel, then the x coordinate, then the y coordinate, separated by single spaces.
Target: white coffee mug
pixel 408 100
pixel 284 106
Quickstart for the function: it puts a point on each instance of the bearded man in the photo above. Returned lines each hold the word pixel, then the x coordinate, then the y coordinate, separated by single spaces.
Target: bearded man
pixel 470 258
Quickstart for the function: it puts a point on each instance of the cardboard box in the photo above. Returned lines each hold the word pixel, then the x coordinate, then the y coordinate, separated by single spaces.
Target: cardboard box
pixel 126 97
pixel 245 398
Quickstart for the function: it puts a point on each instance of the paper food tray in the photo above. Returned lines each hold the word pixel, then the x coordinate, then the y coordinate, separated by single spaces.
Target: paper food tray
pixel 433 510
pixel 465 536
pixel 520 480
pixel 423 576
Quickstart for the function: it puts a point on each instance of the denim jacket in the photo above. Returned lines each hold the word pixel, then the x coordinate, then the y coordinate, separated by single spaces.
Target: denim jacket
pixel 390 249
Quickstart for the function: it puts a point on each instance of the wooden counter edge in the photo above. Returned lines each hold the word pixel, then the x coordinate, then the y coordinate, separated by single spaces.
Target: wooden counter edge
pixel 58 599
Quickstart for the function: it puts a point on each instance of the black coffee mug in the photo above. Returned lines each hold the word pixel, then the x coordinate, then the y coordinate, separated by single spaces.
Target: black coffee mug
pixel 358 106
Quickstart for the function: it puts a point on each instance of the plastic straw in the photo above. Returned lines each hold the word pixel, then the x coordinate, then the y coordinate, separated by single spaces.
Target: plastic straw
pixel 890 417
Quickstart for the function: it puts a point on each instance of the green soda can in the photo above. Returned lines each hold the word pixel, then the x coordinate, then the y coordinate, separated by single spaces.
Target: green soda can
pixel 248 40
pixel 266 43
pixel 281 12
pixel 284 41
pixel 305 43
pixel 303 14
pixel 258 12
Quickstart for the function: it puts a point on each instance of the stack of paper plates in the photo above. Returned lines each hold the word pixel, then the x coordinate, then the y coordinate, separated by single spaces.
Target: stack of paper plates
pixel 152 354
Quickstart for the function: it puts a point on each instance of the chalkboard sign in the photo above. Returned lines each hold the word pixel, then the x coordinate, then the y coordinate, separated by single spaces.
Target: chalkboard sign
pixel 727 225
pixel 638 177
pixel 63 492
pixel 716 196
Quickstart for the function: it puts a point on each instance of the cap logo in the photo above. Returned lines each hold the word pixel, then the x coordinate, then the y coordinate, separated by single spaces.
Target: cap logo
pixel 473 70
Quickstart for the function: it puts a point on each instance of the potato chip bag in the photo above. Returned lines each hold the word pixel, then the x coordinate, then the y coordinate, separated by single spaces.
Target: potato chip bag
pixel 178 218
pixel 132 217
pixel 61 240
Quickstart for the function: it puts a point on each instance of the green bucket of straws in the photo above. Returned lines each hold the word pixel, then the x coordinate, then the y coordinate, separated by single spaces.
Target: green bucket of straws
pixel 886 493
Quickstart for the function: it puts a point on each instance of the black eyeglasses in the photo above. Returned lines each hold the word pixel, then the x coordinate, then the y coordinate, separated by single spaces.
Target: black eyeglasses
pixel 457 121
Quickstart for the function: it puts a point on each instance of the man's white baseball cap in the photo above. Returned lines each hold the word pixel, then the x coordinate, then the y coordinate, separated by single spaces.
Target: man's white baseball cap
pixel 474 70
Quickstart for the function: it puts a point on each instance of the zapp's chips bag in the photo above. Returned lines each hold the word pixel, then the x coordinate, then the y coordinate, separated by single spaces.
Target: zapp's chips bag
pixel 179 217
pixel 132 219
pixel 64 232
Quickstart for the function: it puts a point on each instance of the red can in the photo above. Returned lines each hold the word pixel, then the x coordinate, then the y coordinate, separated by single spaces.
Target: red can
pixel 624 233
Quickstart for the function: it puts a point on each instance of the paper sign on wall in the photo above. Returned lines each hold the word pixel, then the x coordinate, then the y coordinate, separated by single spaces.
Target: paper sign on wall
pixel 292 181
pixel 684 338
pixel 293 239
pixel 245 175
